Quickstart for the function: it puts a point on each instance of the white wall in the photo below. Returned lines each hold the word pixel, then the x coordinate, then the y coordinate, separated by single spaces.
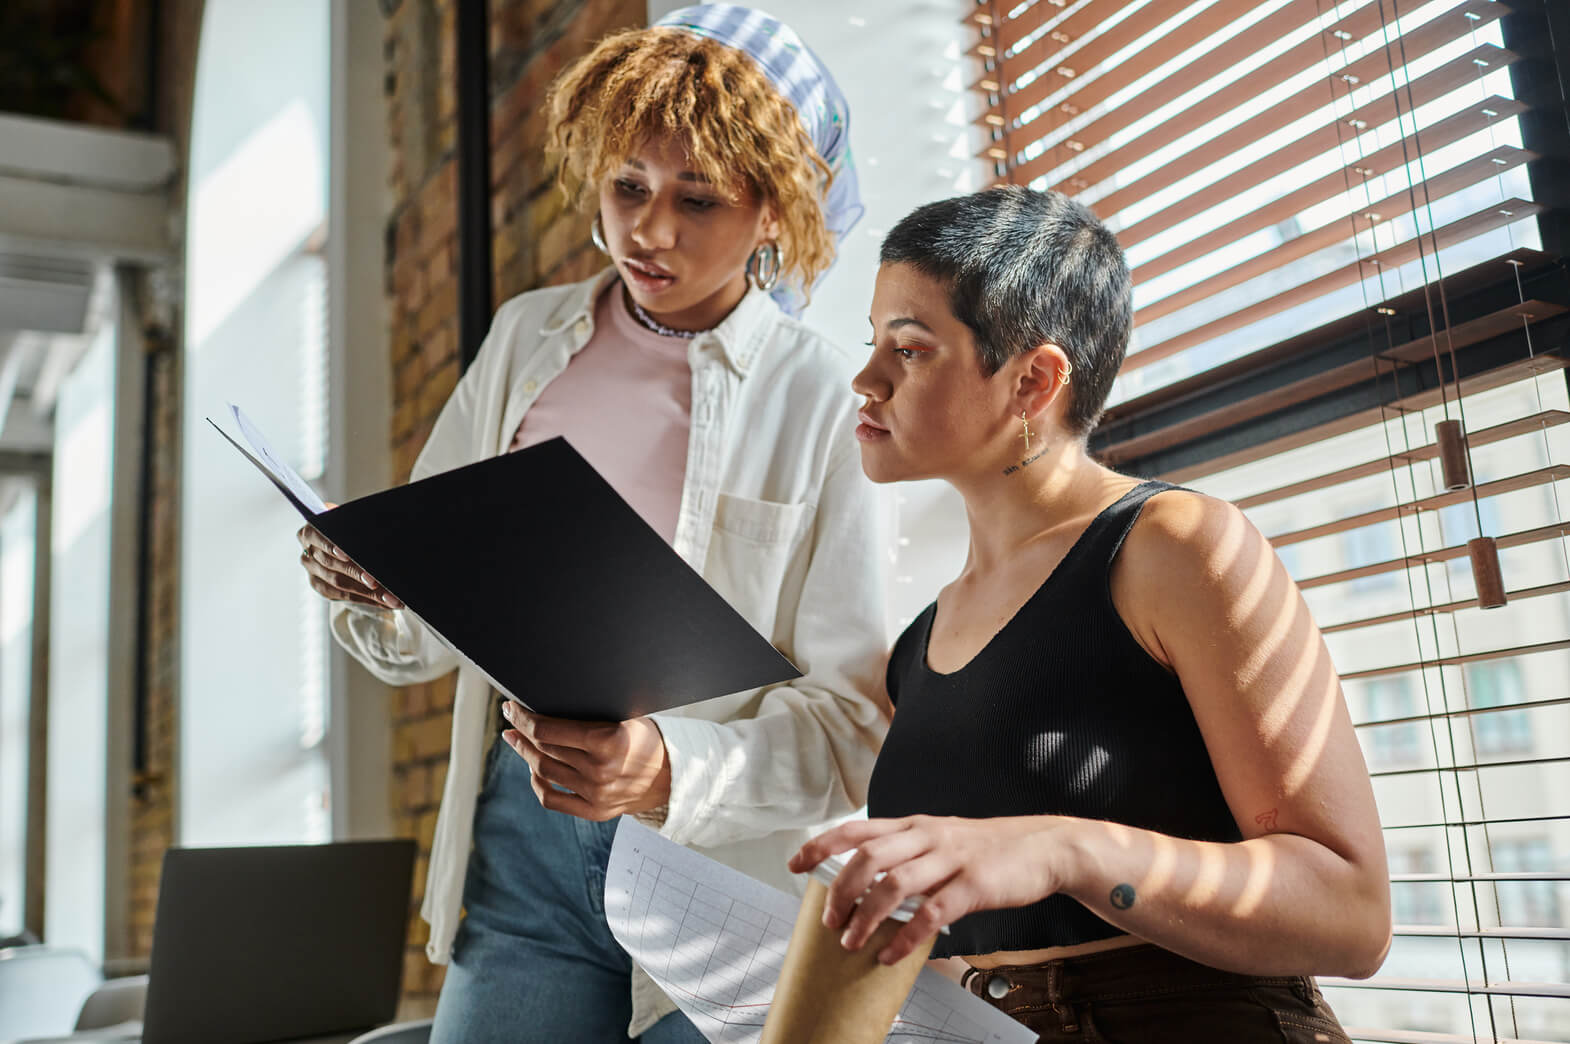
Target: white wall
pixel 901 68
pixel 253 764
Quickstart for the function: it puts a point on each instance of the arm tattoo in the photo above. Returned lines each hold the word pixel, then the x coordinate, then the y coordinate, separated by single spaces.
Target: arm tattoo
pixel 1267 820
pixel 1123 896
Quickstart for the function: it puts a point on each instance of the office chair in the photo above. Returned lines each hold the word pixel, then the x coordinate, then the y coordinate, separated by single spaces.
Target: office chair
pixel 42 989
pixel 114 1002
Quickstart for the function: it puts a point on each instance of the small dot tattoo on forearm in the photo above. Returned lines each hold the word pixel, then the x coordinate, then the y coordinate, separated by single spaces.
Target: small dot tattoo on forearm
pixel 1123 896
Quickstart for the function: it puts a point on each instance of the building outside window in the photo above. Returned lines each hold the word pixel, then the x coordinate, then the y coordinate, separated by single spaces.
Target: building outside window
pixel 1498 684
pixel 1397 745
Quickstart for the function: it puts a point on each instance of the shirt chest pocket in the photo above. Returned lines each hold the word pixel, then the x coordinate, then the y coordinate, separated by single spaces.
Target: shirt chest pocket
pixel 752 550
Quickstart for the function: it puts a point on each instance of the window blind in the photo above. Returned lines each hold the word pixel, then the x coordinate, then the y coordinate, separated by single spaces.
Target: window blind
pixel 1266 165
pixel 1330 216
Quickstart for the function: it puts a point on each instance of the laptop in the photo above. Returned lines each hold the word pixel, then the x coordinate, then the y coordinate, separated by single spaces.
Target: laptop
pixel 265 944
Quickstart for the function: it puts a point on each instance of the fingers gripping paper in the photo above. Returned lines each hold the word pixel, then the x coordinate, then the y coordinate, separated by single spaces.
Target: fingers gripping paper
pixel 713 939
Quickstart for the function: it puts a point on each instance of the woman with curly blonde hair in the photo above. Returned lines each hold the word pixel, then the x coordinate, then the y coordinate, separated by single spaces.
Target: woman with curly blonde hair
pixel 714 145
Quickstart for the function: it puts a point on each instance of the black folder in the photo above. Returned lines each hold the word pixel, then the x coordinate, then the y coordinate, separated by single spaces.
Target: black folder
pixel 532 568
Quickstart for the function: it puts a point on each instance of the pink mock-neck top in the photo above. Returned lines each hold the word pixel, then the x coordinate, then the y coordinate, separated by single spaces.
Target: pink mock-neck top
pixel 625 403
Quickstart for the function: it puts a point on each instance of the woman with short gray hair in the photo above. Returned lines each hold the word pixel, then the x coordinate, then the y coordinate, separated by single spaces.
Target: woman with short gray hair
pixel 1120 767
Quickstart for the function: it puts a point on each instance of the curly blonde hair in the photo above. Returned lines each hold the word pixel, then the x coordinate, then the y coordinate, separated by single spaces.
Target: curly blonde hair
pixel 741 133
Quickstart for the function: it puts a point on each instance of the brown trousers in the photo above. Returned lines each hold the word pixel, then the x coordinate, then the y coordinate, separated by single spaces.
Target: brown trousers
pixel 1147 995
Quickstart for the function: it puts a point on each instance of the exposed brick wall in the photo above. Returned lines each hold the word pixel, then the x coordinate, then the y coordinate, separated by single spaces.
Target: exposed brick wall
pixel 537 242
pixel 152 805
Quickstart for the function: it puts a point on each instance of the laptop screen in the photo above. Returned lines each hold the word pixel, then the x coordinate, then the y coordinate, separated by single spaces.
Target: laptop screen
pixel 259 944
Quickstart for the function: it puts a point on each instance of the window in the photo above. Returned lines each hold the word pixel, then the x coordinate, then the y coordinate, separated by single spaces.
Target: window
pixel 18 552
pixel 1474 905
pixel 254 765
pixel 1413 900
pixel 1316 201
pixel 1258 160
pixel 1499 684
pixel 1396 744
pixel 85 687
pixel 1461 521
pixel 1330 215
pixel 1528 902
pixel 1366 544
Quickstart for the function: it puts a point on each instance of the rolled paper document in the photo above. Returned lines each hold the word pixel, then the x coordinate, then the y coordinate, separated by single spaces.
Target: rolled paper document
pixel 830 995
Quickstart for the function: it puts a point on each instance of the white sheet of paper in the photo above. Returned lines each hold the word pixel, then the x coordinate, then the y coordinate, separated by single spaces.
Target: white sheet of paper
pixel 281 472
pixel 713 939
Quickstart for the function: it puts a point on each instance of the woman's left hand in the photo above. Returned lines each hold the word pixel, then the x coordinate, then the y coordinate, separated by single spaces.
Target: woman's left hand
pixel 960 865
pixel 611 768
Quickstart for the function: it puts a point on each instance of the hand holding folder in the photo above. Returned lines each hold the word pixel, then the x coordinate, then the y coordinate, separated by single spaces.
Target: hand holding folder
pixel 533 569
pixel 334 575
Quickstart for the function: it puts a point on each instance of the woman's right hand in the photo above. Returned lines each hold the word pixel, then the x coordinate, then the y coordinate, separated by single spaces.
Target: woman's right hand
pixel 335 577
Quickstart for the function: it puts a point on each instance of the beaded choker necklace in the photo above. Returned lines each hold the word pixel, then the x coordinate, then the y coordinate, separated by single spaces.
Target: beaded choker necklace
pixel 653 325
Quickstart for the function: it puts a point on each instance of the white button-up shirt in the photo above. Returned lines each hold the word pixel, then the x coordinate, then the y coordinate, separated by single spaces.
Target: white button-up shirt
pixel 775 514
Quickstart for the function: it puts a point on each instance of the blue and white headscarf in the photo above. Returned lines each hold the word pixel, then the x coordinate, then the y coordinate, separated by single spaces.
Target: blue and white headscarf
pixel 802 78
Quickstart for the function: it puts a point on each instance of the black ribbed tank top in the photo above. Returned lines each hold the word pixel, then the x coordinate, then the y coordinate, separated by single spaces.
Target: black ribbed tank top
pixel 1061 713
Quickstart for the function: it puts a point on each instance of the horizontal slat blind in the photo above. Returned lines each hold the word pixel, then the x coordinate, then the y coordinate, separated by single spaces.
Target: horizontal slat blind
pixel 1268 165
pixel 1463 714
pixel 1278 171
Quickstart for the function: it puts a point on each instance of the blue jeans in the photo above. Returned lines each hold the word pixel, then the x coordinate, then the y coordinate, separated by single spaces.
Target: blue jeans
pixel 534 959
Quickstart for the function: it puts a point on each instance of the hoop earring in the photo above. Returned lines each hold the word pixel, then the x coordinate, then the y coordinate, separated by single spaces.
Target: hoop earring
pixel 764 266
pixel 1063 375
pixel 597 234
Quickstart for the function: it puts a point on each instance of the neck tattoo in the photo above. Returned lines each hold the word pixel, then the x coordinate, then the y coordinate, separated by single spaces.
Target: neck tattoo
pixel 1027 462
pixel 653 325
